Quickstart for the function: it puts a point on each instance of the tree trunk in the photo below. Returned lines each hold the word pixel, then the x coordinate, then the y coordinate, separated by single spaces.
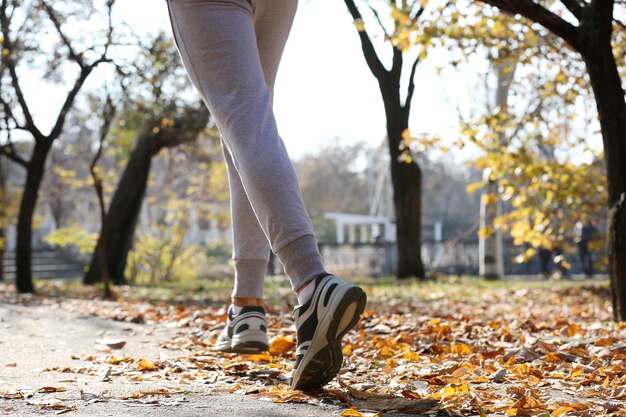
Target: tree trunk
pixel 126 203
pixel 609 94
pixel 490 248
pixel 407 194
pixel 123 213
pixel 28 204
pixel 3 221
pixel 491 263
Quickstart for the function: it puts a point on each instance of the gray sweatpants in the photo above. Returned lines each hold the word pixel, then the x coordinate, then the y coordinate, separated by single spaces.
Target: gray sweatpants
pixel 231 50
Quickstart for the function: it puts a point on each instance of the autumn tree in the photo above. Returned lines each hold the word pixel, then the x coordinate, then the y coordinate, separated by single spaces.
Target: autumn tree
pixel 158 116
pixel 107 116
pixel 21 23
pixel 2 221
pixel 406 177
pixel 592 30
pixel 332 181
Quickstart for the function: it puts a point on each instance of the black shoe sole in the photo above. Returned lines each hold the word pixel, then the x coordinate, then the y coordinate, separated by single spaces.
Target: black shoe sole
pixel 326 364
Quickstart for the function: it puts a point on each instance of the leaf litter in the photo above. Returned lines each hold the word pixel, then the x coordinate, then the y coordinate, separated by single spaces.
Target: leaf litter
pixel 530 352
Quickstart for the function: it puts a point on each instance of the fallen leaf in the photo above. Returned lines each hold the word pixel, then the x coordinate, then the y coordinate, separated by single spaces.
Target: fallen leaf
pixel 279 345
pixel 144 365
pixel 498 376
pixel 112 343
pixel 351 413
pixel 52 389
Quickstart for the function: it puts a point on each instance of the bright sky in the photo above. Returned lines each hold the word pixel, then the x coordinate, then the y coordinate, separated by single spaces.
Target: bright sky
pixel 324 91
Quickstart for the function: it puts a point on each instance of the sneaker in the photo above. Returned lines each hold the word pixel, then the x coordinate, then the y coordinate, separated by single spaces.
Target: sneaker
pixel 332 311
pixel 245 332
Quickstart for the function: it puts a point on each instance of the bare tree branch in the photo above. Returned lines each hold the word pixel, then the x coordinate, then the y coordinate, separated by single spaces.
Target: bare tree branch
pixel 108 114
pixel 185 128
pixel 86 70
pixel 8 113
pixel 9 151
pixel 71 97
pixel 417 15
pixel 372 59
pixel 575 8
pixel 78 58
pixel 541 15
pixel 9 63
pixel 397 62
pixel 411 87
pixel 380 22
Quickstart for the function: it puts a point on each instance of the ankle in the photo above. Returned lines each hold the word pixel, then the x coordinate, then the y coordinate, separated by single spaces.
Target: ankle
pixel 246 301
pixel 305 292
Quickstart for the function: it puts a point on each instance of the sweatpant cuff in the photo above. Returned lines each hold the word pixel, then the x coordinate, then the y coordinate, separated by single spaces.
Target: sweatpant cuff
pixel 302 261
pixel 249 278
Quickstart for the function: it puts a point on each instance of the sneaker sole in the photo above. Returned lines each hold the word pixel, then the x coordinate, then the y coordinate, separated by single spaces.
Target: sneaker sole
pixel 247 342
pixel 326 361
pixel 247 347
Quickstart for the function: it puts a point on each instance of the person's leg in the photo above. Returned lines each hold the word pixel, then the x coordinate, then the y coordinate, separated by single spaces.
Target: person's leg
pixel 218 45
pixel 251 249
pixel 250 246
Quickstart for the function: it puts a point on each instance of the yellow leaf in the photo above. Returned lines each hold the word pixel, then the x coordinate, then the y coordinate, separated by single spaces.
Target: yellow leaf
pixel 489 199
pixel 351 413
pixel 411 355
pixel 461 349
pixel 281 345
pixel 52 389
pixel 475 186
pixel 144 365
pixel 561 411
pixel 360 25
pixel 260 357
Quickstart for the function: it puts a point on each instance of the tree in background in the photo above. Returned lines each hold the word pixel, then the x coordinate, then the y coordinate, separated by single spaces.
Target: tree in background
pixel 2 221
pixel 332 179
pixel 159 116
pixel 406 177
pixel 491 262
pixel 21 23
pixel 593 30
pixel 530 127
pixel 108 114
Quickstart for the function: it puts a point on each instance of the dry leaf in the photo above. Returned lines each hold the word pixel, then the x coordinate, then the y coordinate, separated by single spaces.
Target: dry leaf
pixel 351 413
pixel 112 343
pixel 280 345
pixel 145 365
pixel 52 389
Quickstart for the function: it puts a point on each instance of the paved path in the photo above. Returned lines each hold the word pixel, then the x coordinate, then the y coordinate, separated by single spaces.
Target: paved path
pixel 33 338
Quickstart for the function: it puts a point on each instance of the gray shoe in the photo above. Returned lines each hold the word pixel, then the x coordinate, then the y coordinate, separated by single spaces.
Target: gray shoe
pixel 332 311
pixel 244 333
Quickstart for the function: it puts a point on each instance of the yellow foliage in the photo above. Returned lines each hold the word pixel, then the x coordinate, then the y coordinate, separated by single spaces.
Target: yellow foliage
pixel 360 25
pixel 471 188
pixel 488 199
